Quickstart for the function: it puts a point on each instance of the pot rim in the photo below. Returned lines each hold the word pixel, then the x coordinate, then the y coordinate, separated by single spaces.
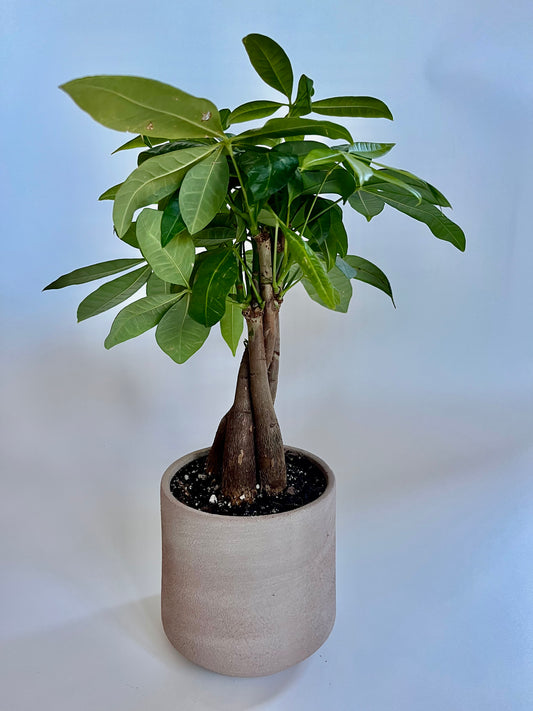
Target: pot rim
pixel 328 492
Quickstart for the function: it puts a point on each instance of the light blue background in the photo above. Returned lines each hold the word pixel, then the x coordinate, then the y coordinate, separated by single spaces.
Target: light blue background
pixel 424 412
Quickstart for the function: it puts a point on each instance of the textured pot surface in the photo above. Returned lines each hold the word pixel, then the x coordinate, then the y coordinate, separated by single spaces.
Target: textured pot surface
pixel 248 595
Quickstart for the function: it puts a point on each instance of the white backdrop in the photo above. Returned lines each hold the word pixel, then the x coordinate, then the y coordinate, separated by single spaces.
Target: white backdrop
pixel 424 412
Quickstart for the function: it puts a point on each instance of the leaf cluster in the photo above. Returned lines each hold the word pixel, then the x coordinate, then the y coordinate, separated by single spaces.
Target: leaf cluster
pixel 201 195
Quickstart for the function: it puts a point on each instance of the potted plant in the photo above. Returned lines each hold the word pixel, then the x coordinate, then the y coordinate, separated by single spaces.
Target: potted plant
pixel 230 221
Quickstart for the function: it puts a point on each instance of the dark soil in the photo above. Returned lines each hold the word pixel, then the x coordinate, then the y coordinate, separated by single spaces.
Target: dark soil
pixel 193 487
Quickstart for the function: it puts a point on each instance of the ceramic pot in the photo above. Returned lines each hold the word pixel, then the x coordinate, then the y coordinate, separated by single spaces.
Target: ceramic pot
pixel 248 595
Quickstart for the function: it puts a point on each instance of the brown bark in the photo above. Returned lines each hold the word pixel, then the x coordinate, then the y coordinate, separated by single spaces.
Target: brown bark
pixel 238 467
pixel 273 367
pixel 270 456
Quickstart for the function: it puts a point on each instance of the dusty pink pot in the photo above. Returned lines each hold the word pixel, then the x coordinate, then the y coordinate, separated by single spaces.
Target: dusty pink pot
pixel 248 596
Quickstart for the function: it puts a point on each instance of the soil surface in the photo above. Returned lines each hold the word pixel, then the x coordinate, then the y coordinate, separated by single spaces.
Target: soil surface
pixel 193 487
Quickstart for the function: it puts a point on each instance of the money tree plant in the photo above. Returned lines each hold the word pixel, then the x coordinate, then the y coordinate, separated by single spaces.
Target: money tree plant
pixel 230 221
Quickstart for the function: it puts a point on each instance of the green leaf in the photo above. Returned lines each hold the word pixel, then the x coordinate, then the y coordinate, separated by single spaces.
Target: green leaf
pixel 326 232
pixel 366 203
pixel 340 182
pixel 370 274
pixel 174 262
pixel 365 149
pixel 170 146
pixel 130 236
pixel 283 127
pixel 139 317
pixel 299 148
pixel 312 268
pixel 213 236
pixel 348 271
pixel 270 62
pixel 442 227
pixel 357 106
pixel 110 193
pixel 302 103
pixel 138 142
pixel 216 274
pixel 320 157
pixel 231 325
pixel 156 286
pixel 153 180
pixel 113 292
pixel 203 191
pixel 92 272
pixel 428 192
pixel 178 335
pixel 172 222
pixel 265 173
pixel 144 106
pixel 340 283
pixel 380 175
pixel 253 110
pixel 361 170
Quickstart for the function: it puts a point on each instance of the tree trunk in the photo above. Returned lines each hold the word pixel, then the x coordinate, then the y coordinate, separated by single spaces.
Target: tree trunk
pixel 270 455
pixel 248 447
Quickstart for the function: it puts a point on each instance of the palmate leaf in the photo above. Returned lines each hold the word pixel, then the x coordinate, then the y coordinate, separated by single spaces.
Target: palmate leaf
pixel 253 110
pixel 266 172
pixel 442 227
pixel 139 317
pixel 215 276
pixel 312 268
pixel 355 106
pixel 270 62
pixel 93 272
pixel 203 191
pixel 369 273
pixel 231 325
pixel 175 261
pixel 340 283
pixel 177 334
pixel 153 180
pixel 113 293
pixel 284 127
pixel 144 106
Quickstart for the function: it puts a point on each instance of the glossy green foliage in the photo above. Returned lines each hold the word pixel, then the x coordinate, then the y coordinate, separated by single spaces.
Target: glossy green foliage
pixel 113 293
pixel 270 62
pixel 144 106
pixel 203 191
pixel 139 317
pixel 355 106
pixel 93 272
pixel 175 261
pixel 155 179
pixel 215 276
pixel 208 197
pixel 172 223
pixel 253 110
pixel 231 325
pixel 179 335
pixel 265 173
